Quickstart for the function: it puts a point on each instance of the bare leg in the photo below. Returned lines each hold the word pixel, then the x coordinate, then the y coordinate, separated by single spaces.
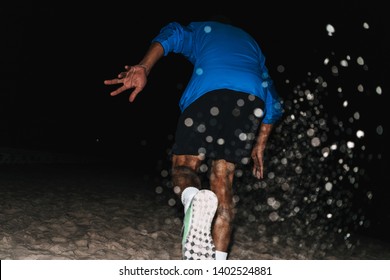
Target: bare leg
pixel 184 172
pixel 221 183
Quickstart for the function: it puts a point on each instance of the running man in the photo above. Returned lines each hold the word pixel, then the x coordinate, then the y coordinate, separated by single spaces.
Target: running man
pixel 228 110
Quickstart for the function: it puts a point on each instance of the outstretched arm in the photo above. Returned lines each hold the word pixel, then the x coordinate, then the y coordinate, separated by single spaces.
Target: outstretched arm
pixel 258 150
pixel 135 77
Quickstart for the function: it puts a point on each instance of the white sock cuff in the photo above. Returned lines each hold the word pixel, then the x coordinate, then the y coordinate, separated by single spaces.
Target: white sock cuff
pixel 219 255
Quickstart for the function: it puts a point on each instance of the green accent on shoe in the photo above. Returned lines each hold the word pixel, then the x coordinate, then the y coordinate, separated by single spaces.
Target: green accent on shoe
pixel 187 223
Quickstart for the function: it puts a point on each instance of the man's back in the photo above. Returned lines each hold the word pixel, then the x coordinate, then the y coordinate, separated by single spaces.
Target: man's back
pixel 224 57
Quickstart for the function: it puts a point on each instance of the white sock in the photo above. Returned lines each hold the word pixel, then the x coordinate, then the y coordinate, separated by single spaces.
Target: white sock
pixel 219 255
pixel 187 195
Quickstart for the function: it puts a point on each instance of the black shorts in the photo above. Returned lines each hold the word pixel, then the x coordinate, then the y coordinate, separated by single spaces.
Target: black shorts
pixel 221 124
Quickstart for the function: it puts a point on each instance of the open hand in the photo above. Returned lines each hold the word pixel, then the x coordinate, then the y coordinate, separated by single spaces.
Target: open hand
pixel 135 77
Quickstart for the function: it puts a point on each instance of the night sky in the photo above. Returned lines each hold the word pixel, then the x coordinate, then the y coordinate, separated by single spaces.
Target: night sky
pixel 55 58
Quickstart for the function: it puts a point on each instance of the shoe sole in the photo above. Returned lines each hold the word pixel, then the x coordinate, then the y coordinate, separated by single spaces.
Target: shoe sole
pixel 199 244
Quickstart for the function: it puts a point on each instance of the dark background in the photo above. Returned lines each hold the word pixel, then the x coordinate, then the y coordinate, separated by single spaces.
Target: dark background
pixel 55 57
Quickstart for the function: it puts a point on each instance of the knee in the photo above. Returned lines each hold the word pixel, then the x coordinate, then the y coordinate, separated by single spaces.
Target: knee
pixel 182 170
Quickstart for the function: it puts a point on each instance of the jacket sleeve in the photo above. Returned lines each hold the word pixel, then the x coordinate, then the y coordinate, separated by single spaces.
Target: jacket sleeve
pixel 176 38
pixel 273 104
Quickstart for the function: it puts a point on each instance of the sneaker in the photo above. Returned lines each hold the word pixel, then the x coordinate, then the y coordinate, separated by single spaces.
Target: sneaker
pixel 197 242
